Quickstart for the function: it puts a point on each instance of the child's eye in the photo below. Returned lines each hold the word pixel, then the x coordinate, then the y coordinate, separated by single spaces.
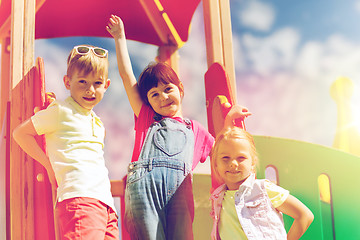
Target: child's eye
pixel 225 158
pixel 168 89
pixel 98 82
pixel 154 95
pixel 82 81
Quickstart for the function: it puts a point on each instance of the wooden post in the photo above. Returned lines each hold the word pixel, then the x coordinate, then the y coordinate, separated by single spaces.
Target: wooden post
pixel 220 84
pixel 170 55
pixel 227 43
pixel 5 76
pixel 166 32
pixel 218 36
pixel 21 169
pixel 16 155
pixel 213 38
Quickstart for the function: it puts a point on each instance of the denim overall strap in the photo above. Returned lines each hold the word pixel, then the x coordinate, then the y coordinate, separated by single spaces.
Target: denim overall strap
pixel 158 196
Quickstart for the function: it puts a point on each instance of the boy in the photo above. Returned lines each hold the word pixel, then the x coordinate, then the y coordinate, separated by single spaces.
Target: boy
pixel 75 140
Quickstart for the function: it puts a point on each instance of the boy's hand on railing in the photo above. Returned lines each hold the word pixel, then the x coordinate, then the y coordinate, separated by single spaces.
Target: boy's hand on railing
pixel 49 98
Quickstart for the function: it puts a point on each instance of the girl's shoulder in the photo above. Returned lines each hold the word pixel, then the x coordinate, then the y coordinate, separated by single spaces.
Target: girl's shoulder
pixel 194 122
pixel 198 127
pixel 266 184
pixel 276 194
pixel 145 117
pixel 202 134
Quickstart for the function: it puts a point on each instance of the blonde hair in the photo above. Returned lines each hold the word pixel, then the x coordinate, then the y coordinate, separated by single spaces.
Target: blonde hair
pixel 88 63
pixel 231 133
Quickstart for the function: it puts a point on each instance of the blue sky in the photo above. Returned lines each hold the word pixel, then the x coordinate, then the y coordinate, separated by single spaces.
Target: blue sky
pixel 287 54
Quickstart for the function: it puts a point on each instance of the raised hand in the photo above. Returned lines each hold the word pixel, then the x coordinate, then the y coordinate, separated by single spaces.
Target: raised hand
pixel 115 27
pixel 236 116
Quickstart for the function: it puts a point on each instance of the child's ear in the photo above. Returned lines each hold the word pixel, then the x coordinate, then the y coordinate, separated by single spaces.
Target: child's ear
pixel 181 88
pixel 67 82
pixel 253 167
pixel 107 83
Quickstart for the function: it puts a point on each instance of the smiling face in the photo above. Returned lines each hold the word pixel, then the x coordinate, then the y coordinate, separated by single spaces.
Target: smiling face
pixel 234 162
pixel 165 99
pixel 86 89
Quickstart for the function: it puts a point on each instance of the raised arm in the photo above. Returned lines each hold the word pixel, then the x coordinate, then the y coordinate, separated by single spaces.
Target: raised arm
pixel 302 216
pixel 116 28
pixel 24 135
pixel 236 115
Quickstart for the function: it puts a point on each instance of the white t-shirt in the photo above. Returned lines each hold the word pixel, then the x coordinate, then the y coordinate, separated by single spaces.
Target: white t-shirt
pixel 75 141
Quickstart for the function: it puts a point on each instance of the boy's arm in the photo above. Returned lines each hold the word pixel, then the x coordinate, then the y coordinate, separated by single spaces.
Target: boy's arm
pixel 116 29
pixel 302 216
pixel 24 135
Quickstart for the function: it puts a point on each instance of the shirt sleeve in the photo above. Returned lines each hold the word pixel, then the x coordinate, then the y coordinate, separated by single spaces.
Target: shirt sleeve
pixel 142 123
pixel 145 118
pixel 277 194
pixel 203 143
pixel 46 121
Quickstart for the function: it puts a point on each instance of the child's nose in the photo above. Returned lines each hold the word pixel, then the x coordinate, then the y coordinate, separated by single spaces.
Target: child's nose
pixel 90 90
pixel 164 96
pixel 234 163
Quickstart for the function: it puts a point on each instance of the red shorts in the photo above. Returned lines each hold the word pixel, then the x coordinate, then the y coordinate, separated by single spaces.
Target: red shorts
pixel 86 218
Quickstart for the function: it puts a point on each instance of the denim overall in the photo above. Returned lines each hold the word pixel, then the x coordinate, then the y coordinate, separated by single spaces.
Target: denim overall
pixel 158 197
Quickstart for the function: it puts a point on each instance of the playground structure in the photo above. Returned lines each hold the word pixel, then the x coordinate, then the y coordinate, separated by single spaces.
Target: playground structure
pixel 324 187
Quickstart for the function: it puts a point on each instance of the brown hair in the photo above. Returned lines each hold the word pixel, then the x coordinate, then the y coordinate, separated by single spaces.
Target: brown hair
pixel 154 74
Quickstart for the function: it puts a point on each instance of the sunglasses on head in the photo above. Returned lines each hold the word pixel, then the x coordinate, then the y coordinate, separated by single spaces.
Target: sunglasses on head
pixel 83 50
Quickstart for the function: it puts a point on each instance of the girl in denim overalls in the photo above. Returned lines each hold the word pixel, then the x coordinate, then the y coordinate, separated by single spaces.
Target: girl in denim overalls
pixel 158 196
pixel 245 207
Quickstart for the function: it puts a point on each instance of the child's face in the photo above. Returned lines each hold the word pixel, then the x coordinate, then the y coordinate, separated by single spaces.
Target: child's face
pixel 234 162
pixel 165 99
pixel 86 90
